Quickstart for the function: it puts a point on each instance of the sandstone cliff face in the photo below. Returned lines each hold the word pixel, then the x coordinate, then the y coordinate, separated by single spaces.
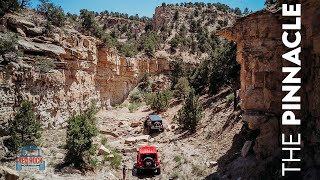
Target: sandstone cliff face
pixel 85 70
pixel 261 75
pixel 260 48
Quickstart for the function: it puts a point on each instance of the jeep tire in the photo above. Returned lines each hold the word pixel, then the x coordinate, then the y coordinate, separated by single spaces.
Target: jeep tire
pixel 158 171
pixel 139 172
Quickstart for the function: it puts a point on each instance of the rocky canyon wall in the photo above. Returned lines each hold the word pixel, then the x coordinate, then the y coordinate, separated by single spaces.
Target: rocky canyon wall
pixel 260 50
pixel 84 70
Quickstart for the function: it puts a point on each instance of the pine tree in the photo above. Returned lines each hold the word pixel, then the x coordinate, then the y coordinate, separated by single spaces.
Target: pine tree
pixel 246 11
pixel 161 100
pixel 182 87
pixel 80 131
pixel 8 5
pixel 24 129
pixel 191 113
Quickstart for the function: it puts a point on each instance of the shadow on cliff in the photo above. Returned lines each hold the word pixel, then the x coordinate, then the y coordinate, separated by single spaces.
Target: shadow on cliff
pixel 232 160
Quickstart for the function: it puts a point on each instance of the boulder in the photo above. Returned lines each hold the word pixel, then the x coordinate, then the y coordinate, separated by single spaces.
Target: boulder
pixel 110 156
pixel 120 123
pixel 59 156
pixel 130 150
pixel 135 124
pixel 8 173
pixel 20 31
pixel 246 148
pixel 38 177
pixel 212 163
pixel 114 134
pixel 35 31
pixel 131 140
pixel 103 150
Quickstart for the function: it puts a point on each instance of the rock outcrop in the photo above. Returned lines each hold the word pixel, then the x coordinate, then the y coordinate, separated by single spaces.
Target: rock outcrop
pixel 8 174
pixel 84 70
pixel 260 49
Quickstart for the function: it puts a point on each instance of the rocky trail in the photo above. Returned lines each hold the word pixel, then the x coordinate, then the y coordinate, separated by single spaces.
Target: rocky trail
pixel 182 155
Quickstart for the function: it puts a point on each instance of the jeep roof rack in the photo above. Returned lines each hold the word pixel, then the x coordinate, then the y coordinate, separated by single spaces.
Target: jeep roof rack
pixel 147 149
pixel 154 118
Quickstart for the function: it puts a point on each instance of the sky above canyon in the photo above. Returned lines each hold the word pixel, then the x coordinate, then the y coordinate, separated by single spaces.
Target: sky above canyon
pixel 141 7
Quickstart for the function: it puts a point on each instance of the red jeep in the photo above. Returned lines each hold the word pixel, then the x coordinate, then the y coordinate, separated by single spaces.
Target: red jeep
pixel 148 160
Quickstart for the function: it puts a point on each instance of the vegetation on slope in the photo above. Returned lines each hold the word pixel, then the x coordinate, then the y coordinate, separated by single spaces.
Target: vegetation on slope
pixel 24 128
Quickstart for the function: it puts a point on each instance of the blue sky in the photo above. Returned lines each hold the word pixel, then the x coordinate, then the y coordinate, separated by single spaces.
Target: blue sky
pixel 141 7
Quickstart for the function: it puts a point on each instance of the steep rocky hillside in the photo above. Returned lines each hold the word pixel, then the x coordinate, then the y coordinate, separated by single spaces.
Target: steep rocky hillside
pixel 182 30
pixel 122 27
pixel 188 31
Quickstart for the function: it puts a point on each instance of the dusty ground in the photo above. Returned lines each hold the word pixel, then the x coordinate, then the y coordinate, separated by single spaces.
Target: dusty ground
pixel 183 156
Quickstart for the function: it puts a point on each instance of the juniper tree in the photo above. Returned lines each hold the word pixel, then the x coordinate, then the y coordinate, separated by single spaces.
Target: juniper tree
pixel 182 87
pixel 8 5
pixel 80 131
pixel 161 100
pixel 191 112
pixel 24 129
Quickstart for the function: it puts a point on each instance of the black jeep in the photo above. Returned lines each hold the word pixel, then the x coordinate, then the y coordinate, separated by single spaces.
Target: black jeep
pixel 153 123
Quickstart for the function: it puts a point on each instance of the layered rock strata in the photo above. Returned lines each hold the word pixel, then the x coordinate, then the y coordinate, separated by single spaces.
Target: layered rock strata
pixel 84 70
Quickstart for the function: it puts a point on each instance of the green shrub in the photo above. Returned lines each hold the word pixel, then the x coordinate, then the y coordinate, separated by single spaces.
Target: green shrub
pixel 219 69
pixel 179 70
pixel 104 140
pixel 182 88
pixel 225 69
pixel 8 43
pixel 94 161
pixel 230 97
pixel 8 5
pixel 87 18
pixel 128 50
pixel 149 42
pixel 89 23
pixel 136 96
pixel 46 65
pixel 148 98
pixel 161 100
pixel 175 174
pixel 174 43
pixel 54 14
pixel 134 106
pixel 24 129
pixel 178 159
pixel 115 159
pixel 191 113
pixel 80 131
